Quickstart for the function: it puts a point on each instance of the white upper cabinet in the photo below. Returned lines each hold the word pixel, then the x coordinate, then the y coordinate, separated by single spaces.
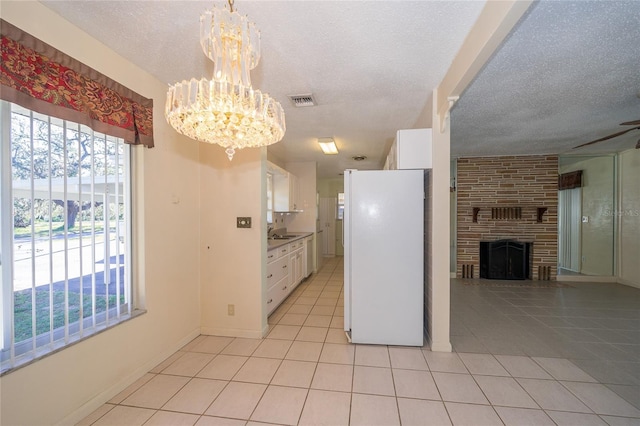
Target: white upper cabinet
pixel 285 189
pixel 410 150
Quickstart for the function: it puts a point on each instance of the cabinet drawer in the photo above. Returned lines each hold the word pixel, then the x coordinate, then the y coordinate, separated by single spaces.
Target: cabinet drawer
pixel 296 245
pixel 277 270
pixel 276 294
pixel 273 255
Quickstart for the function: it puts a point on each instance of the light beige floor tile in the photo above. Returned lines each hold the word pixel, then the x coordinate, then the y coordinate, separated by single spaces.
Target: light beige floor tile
pixel 415 384
pixel 602 400
pixel 311 293
pixel 337 322
pixel 372 356
pixel 284 332
pixel 318 321
pixel 312 334
pixel 415 412
pixel 156 392
pixel 563 369
pixel 293 319
pixel 562 418
pixel 373 380
pixel 485 364
pixel 472 415
pixel 551 395
pixel 337 354
pixel 93 417
pixel 121 415
pixel 304 300
pixel 272 348
pixel 189 364
pixel 324 301
pixel 338 311
pixel 241 346
pixel 407 358
pixel 237 400
pixel 333 377
pixel 196 396
pixel 522 366
pixel 523 417
pixel 212 344
pixel 257 370
pixel 620 421
pixel 322 310
pixel 504 391
pixel 168 418
pixel 373 410
pixel 445 362
pixel 219 421
pixel 280 405
pixel 300 309
pixel 189 346
pixel 335 335
pixel 304 351
pixel 458 388
pixel 275 317
pixel 167 362
pixel 223 367
pixel 131 389
pixel 326 408
pixel 294 374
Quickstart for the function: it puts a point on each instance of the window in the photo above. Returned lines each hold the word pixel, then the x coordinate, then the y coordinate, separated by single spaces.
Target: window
pixel 65 234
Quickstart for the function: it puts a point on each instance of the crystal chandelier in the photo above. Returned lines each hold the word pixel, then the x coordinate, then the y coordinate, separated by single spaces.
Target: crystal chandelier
pixel 226 110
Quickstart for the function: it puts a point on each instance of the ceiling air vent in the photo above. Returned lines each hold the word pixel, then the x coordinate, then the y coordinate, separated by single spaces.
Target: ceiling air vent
pixel 300 101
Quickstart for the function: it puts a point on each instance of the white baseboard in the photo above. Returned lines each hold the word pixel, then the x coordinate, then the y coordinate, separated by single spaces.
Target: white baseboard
pixel 629 283
pixel 232 332
pixel 94 403
pixel 587 278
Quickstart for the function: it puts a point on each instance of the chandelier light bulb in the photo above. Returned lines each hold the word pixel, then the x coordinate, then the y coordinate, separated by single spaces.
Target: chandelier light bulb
pixel 226 110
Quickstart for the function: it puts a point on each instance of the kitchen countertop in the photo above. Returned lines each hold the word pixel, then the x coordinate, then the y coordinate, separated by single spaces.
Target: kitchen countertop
pixel 271 244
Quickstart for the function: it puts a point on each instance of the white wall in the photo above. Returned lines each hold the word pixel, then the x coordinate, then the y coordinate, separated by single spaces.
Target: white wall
pixel 233 265
pixel 68 385
pixel 629 214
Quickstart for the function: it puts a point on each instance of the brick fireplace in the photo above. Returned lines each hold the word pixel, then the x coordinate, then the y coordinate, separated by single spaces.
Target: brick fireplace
pixel 508 198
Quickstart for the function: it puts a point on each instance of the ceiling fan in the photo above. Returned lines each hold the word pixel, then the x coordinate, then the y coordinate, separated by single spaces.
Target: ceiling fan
pixel 635 123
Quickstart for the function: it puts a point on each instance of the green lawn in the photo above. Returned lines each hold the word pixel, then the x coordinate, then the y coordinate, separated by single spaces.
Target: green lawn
pixel 41 229
pixel 22 310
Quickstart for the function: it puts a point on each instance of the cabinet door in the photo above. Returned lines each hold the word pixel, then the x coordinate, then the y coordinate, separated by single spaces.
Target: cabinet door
pixel 293 192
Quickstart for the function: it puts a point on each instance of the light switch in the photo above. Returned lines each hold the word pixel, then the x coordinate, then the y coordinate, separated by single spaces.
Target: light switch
pixel 243 222
pixel 585 219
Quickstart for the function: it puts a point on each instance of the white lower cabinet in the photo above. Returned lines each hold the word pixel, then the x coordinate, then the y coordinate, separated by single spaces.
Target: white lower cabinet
pixel 285 270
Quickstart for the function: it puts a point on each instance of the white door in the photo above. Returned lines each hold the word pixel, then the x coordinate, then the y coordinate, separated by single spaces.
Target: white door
pixel 328 207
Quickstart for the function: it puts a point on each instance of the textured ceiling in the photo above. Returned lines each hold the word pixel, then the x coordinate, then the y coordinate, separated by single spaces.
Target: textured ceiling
pixel 371 65
pixel 568 73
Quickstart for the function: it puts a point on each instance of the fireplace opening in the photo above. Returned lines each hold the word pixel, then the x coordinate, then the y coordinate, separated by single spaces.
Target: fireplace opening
pixel 505 260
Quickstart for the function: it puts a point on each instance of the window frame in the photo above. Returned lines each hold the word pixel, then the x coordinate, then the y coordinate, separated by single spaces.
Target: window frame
pixel 17 354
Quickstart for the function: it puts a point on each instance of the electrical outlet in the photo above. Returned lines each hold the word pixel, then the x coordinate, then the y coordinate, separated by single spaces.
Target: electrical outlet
pixel 231 310
pixel 243 222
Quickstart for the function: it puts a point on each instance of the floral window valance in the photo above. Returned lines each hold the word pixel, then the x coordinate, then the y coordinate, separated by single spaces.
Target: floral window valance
pixel 43 79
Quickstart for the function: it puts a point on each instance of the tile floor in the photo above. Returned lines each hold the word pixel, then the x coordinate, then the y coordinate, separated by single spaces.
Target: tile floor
pixel 523 358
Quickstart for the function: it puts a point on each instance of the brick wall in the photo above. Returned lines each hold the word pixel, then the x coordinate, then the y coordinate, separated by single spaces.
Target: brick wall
pixel 528 182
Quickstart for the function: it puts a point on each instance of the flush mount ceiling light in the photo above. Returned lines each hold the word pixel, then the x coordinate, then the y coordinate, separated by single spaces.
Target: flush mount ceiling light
pixel 359 157
pixel 226 110
pixel 328 146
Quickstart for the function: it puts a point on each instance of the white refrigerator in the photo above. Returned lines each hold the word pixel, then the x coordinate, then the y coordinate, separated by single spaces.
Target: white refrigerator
pixel 384 256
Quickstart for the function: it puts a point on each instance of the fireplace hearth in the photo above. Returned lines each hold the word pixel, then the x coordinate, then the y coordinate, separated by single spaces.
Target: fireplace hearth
pixel 505 260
